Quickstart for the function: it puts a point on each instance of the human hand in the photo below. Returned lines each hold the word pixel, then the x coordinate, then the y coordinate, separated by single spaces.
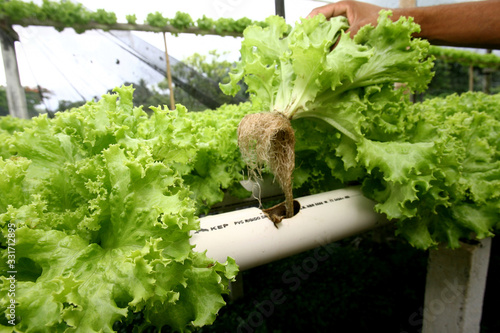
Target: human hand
pixel 358 13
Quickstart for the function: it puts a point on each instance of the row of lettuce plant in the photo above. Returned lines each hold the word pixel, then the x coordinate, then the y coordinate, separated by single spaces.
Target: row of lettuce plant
pixel 67 14
pixel 466 57
pixel 100 205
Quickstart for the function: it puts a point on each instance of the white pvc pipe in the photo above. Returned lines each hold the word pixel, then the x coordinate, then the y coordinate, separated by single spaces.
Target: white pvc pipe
pixel 250 238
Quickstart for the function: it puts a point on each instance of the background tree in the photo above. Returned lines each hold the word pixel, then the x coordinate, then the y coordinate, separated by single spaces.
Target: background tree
pixel 213 67
pixel 452 77
pixel 34 100
pixel 67 105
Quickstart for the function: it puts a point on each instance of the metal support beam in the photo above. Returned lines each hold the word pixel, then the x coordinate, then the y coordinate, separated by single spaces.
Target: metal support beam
pixel 487 76
pixel 471 78
pixel 16 97
pixel 280 7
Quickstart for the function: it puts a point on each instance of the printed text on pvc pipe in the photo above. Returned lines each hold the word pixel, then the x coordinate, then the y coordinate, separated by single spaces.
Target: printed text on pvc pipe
pixel 261 216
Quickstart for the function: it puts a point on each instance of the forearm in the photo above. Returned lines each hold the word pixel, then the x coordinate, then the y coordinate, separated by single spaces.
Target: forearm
pixel 471 24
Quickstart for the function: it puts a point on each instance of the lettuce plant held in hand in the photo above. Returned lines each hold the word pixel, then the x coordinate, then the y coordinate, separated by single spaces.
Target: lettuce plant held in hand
pixel 295 73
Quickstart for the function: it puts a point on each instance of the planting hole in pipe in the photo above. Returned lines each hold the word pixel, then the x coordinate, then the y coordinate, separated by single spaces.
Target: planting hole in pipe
pixel 277 213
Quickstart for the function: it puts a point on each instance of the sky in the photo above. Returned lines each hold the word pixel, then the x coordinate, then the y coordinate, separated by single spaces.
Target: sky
pixel 85 66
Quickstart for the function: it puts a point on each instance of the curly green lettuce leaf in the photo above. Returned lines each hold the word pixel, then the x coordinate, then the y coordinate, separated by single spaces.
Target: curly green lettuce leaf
pixel 317 70
pixel 217 167
pixel 443 184
pixel 103 219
